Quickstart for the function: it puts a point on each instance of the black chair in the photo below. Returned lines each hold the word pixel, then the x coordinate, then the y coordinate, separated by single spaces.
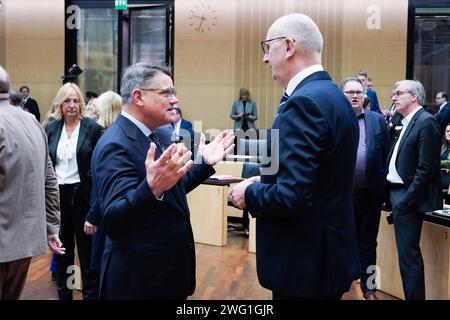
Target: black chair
pixel 249 169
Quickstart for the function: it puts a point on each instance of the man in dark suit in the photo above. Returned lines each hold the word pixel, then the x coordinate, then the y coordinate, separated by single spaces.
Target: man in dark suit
pixel 443 115
pixel 306 243
pixel 141 192
pixel 414 176
pixel 28 103
pixel 368 182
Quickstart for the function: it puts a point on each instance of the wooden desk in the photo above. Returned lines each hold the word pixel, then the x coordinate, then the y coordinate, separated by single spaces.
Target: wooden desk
pixel 208 205
pixel 435 249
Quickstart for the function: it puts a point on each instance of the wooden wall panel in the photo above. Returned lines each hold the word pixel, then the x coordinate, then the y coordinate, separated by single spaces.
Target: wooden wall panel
pixel 3 35
pixel 34 47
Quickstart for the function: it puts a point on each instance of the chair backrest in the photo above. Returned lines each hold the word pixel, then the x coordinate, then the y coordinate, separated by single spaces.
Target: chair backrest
pixel 250 169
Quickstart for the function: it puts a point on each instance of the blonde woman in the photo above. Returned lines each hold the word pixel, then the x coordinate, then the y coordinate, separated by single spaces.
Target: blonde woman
pixel 71 139
pixel 108 105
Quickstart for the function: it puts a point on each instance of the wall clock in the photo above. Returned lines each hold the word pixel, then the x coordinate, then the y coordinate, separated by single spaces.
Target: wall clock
pixel 202 18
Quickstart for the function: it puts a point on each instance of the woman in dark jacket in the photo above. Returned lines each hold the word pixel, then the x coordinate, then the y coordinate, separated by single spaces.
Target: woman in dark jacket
pixel 71 140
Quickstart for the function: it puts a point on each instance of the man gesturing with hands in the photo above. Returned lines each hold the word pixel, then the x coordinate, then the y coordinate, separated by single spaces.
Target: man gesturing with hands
pixel 141 191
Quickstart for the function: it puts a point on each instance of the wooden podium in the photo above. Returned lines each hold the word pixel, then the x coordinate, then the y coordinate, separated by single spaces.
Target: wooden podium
pixel 435 247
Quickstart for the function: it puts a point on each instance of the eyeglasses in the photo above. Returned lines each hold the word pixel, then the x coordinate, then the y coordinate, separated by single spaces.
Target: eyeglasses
pixel 265 46
pixel 352 93
pixel 398 93
pixel 168 93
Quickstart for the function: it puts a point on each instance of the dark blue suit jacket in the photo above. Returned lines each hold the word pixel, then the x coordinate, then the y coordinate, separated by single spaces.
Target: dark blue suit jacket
pixel 94 216
pixel 149 250
pixel 305 235
pixel 374 106
pixel 443 117
pixel 377 146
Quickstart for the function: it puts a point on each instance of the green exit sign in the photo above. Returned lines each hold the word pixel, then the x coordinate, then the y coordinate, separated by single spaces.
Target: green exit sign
pixel 121 5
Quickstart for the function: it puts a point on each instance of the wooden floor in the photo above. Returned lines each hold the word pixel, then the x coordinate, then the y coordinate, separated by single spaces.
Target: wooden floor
pixel 223 273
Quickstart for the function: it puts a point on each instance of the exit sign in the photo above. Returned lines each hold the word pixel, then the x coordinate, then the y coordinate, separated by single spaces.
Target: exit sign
pixel 121 5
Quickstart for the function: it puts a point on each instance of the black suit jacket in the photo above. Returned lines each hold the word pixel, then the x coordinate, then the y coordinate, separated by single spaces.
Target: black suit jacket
pixel 418 163
pixel 377 148
pixel 443 117
pixel 32 106
pixel 306 243
pixel 149 250
pixel 89 134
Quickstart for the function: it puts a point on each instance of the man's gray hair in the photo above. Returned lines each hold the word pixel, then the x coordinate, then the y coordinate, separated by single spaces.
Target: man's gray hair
pixel 5 81
pixel 137 75
pixel 415 88
pixel 355 79
pixel 303 29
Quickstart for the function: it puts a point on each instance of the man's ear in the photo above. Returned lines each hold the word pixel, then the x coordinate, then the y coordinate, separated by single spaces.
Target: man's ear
pixel 136 97
pixel 289 44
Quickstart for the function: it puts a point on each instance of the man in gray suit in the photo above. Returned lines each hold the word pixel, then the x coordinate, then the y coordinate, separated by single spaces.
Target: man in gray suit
pixel 29 197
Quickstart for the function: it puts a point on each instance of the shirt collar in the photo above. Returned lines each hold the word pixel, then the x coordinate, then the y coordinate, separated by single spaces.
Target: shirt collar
pixel 145 130
pixel 408 118
pixel 299 77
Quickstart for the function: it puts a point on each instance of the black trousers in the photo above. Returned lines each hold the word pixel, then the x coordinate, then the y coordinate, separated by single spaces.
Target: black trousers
pixel 73 215
pixel 367 211
pixel 408 227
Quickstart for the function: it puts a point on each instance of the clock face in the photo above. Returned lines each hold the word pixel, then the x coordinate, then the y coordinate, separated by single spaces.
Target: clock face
pixel 202 18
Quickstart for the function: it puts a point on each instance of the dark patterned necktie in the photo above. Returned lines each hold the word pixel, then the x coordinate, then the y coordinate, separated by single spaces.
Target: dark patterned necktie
pixel 154 137
pixel 282 102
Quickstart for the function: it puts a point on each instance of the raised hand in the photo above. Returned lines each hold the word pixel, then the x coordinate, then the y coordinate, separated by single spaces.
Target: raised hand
pixel 215 151
pixel 165 172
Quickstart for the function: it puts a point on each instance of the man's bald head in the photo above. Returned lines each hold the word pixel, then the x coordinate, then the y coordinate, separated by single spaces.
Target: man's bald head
pixel 308 39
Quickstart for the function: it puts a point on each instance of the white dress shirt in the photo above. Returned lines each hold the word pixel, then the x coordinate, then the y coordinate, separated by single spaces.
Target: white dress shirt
pixel 66 167
pixel 299 77
pixel 393 175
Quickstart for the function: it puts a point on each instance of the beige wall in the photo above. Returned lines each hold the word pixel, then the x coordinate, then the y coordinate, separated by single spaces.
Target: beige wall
pixel 34 47
pixel 210 67
pixel 3 34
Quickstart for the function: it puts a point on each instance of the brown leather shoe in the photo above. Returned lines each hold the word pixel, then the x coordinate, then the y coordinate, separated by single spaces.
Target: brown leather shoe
pixel 370 295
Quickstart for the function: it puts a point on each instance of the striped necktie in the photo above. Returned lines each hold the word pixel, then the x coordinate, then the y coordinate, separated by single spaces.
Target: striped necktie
pixel 154 137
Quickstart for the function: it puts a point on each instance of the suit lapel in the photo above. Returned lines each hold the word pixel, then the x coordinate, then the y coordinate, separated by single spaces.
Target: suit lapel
pixel 55 140
pixel 82 135
pixel 368 123
pixel 141 142
pixel 408 130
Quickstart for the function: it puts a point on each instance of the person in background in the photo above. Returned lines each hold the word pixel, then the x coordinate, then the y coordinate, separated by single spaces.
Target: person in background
pixel 29 199
pixel 414 181
pixel 443 114
pixel 306 245
pixel 28 103
pixel 369 181
pixel 371 93
pixel 108 106
pixel 445 159
pixel 72 138
pixel 182 130
pixel 141 191
pixel 15 99
pixel 243 111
